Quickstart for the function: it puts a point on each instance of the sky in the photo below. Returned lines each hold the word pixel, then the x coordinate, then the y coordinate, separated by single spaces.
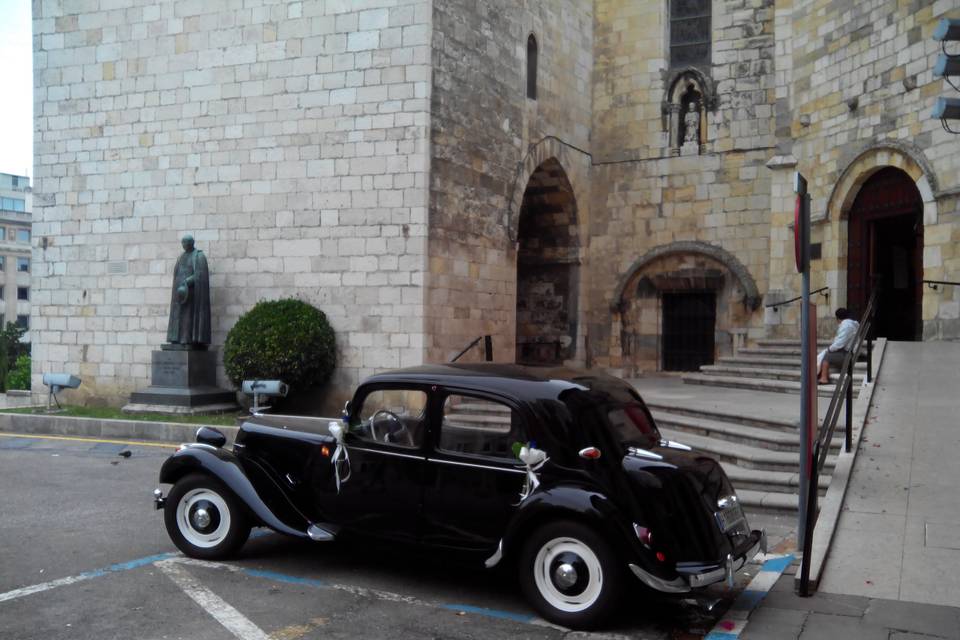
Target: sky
pixel 16 99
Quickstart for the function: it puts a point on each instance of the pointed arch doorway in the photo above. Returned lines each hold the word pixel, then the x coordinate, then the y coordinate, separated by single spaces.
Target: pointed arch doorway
pixel 548 268
pixel 885 245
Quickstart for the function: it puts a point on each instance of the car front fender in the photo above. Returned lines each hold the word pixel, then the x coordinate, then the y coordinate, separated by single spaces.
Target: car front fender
pixel 225 466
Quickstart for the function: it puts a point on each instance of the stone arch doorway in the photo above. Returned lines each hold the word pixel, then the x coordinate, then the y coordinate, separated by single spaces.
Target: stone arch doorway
pixel 680 305
pixel 885 245
pixel 548 268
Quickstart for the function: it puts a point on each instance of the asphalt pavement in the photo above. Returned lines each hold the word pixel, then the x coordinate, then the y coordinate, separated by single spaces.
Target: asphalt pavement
pixel 84 555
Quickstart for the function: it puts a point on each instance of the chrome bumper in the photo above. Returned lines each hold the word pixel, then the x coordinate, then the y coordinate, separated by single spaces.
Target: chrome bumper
pixel 695 576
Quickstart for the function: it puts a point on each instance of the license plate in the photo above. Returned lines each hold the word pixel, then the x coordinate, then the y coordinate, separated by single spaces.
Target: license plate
pixel 730 517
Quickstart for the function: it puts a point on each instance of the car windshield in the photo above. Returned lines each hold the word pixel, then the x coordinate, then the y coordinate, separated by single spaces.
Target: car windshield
pixel 631 425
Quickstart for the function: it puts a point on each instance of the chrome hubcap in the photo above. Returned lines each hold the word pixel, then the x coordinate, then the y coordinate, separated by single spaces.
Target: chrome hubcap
pixel 201 519
pixel 565 576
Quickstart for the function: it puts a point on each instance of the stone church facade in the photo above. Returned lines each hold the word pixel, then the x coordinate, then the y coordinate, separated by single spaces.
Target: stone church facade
pixel 598 182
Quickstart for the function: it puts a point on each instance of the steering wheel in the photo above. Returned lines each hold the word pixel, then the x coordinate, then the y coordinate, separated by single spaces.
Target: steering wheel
pixel 385 437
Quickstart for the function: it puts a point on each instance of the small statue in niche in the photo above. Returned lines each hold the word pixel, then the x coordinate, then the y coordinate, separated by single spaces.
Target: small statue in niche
pixel 691 124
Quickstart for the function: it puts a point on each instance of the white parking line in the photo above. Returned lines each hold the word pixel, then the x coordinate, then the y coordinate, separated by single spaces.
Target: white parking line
pixel 234 621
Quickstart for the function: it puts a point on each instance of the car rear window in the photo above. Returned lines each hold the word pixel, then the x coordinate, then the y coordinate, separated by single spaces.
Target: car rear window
pixel 632 425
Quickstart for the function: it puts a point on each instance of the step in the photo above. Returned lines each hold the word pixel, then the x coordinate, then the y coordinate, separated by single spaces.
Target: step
pixel 787 342
pixel 744 479
pixel 794 352
pixel 757 384
pixel 742 455
pixel 769 502
pixel 482 407
pixel 727 416
pixel 784 362
pixel 773 439
pixel 768 373
pixel 478 421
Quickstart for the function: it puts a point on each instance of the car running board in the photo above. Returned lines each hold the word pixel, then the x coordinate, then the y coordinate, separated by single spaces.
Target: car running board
pixel 322 532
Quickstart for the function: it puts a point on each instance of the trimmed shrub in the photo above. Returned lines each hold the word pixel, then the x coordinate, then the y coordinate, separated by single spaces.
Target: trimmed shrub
pixel 287 340
pixel 19 376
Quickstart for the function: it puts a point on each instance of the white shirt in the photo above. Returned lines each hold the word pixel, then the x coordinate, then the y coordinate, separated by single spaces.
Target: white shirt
pixel 846 333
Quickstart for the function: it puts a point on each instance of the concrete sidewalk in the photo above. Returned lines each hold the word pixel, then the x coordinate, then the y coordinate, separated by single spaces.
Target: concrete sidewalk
pixel 899 533
pixel 893 570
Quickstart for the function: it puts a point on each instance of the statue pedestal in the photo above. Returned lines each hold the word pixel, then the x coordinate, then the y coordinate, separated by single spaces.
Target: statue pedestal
pixel 184 382
pixel 690 149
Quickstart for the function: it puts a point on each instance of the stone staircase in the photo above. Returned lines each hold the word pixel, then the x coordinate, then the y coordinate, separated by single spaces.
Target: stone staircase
pixel 773 365
pixel 760 455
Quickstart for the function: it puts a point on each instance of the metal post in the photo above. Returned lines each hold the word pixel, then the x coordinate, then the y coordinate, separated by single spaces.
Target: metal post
pixel 848 441
pixel 804 408
pixel 802 255
pixel 869 359
pixel 806 534
pixel 488 348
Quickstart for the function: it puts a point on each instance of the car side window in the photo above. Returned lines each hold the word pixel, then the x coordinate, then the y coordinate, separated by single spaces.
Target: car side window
pixel 393 416
pixel 482 427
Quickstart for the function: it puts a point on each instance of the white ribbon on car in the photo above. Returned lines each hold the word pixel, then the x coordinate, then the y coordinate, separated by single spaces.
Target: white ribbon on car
pixel 340 453
pixel 534 459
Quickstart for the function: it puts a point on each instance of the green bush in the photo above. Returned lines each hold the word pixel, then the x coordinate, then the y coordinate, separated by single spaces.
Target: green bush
pixel 287 340
pixel 19 376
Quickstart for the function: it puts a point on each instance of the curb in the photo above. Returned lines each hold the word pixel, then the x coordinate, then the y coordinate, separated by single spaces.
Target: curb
pixel 832 503
pixel 173 432
pixel 734 621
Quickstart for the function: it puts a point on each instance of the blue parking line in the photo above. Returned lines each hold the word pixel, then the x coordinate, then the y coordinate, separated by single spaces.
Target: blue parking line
pixel 320 584
pixel 15 443
pixel 282 577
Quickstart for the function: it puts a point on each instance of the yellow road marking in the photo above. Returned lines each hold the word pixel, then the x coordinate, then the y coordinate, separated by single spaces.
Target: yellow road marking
pixel 132 443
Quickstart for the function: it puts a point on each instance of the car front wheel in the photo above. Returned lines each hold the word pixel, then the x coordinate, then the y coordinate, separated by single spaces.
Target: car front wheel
pixel 204 518
pixel 570 575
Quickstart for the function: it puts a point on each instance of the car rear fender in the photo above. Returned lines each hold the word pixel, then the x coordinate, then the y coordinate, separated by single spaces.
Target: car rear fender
pixel 568 503
pixel 225 466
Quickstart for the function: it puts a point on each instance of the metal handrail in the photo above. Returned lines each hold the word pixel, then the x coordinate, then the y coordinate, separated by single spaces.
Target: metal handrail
pixel 774 305
pixel 487 348
pixel 842 395
pixel 933 283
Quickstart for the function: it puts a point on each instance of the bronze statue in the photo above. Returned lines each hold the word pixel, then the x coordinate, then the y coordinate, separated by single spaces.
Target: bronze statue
pixel 189 324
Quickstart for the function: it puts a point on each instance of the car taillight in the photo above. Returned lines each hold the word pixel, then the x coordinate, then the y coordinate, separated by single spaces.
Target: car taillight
pixel 590 453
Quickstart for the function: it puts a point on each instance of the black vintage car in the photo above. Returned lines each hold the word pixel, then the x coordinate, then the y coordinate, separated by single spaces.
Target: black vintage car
pixel 561 473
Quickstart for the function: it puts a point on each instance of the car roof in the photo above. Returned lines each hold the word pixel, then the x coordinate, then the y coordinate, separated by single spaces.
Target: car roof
pixel 523 383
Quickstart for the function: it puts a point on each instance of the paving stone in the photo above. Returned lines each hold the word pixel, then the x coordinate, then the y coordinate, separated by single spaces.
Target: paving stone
pixel 823 626
pixel 827 603
pixel 926 619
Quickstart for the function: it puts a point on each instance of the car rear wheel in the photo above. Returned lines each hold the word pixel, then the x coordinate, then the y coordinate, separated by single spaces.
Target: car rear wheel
pixel 204 518
pixel 570 575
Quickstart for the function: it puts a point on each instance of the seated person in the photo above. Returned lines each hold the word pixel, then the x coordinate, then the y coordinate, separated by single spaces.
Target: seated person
pixel 842 343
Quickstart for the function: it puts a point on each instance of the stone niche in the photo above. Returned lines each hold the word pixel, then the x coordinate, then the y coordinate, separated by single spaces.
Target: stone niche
pixel 642 312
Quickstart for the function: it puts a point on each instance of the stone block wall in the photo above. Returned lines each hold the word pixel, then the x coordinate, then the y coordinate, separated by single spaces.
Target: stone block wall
pixel 643 197
pixel 487 139
pixel 854 93
pixel 291 139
